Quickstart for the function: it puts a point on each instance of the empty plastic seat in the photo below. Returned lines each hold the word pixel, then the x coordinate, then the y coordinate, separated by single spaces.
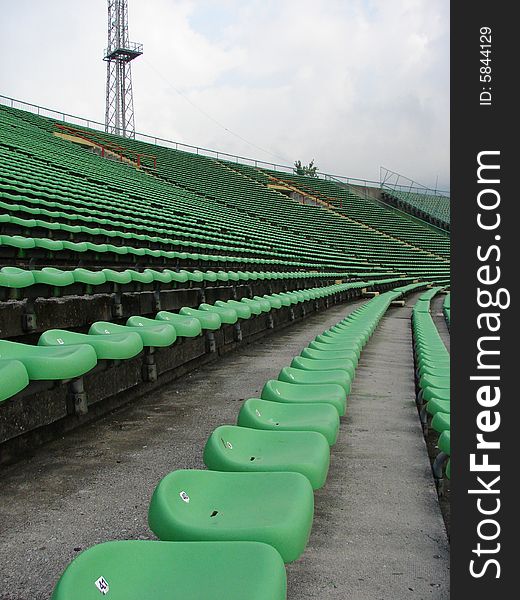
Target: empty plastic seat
pixel 55 277
pixel 208 320
pixel 264 303
pixel 438 393
pixel 441 422
pixel 311 364
pixel 151 570
pixel 444 442
pixel 434 381
pixel 158 335
pixel 350 355
pixel 243 311
pixel 275 303
pixel 434 406
pixel 353 346
pixel 324 393
pixel 292 375
pixel 284 300
pixel 114 346
pixel 226 313
pixel 349 341
pixel 232 448
pixel 89 277
pixel 13 378
pixel 275 508
pixel 45 363
pixel 13 277
pixel 438 370
pixel 279 416
pixel 184 326
pixel 255 306
pixel 118 277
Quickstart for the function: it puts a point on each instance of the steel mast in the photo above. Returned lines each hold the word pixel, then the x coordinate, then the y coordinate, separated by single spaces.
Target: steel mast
pixel 119 112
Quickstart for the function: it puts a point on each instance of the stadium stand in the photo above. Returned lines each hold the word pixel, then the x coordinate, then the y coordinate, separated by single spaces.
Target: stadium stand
pixel 122 272
pixel 199 200
pixel 430 207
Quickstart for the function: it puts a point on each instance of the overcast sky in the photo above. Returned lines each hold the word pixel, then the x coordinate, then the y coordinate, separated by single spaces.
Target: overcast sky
pixel 354 84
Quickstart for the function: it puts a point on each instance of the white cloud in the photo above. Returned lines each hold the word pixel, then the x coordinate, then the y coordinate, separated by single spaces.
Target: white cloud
pixel 353 84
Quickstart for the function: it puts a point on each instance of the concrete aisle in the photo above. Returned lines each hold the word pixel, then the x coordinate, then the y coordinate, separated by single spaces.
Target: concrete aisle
pixel 378 532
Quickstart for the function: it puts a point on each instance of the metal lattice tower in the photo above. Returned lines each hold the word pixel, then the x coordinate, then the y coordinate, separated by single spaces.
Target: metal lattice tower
pixel 119 113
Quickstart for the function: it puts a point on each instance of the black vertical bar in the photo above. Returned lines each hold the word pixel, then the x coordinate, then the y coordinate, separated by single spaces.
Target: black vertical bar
pixel 483 120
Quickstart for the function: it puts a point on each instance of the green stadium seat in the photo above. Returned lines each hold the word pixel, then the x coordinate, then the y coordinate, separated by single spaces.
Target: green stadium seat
pixel 438 370
pixel 346 340
pixel 139 569
pixel 441 422
pixel 435 393
pixel 227 314
pixel 158 335
pixel 311 364
pixel 13 378
pixel 118 277
pixel 232 448
pixel 55 277
pixel 283 298
pixel 274 508
pixel 351 345
pixel 89 277
pixel 242 311
pixel 278 416
pixel 208 320
pixel 291 375
pixel 264 303
pixel 256 306
pixel 275 303
pixel 434 381
pixel 46 363
pixel 350 355
pixel 444 442
pixel 434 406
pixel 184 326
pixel 115 346
pixel 327 393
pixel 13 277
pixel 178 276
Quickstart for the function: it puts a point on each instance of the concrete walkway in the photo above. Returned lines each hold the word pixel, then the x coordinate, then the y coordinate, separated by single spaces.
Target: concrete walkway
pixel 377 531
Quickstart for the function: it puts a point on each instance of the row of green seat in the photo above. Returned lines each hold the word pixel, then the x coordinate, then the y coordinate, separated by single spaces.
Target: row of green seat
pixel 23 245
pixel 259 486
pixel 63 354
pixel 16 278
pixel 432 363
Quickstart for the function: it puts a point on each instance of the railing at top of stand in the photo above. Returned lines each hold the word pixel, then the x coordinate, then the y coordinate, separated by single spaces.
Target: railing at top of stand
pixel 389 180
pixel 158 141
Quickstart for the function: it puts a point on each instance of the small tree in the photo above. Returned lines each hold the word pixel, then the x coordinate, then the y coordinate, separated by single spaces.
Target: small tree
pixel 309 170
